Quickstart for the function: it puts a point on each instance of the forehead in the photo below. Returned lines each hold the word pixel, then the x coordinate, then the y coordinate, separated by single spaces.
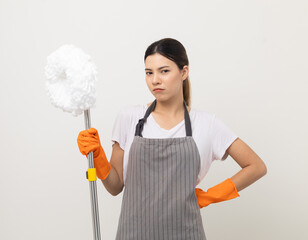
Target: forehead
pixel 157 60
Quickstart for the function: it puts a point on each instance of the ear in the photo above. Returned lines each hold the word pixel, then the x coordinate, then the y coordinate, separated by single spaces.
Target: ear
pixel 185 72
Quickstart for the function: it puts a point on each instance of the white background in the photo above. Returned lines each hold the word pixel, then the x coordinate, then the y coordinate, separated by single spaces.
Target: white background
pixel 248 65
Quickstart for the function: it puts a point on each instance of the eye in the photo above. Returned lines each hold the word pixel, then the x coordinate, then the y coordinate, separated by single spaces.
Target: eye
pixel 147 73
pixel 166 70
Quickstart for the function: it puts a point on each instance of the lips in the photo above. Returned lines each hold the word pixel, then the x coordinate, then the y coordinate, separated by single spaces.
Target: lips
pixel 157 89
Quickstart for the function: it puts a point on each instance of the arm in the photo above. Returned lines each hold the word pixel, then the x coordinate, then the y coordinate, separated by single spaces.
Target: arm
pixel 252 165
pixel 253 168
pixel 109 172
pixel 114 182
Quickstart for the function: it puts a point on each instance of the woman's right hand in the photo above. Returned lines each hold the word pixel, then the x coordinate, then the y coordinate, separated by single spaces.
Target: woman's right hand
pixel 88 141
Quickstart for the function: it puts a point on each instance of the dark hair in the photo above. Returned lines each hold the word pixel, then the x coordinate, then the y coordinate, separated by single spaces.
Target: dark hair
pixel 175 51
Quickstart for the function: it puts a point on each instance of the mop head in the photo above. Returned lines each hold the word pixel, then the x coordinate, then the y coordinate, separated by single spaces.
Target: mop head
pixel 71 77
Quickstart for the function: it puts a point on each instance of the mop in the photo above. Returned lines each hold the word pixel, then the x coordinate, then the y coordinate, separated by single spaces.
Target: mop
pixel 70 85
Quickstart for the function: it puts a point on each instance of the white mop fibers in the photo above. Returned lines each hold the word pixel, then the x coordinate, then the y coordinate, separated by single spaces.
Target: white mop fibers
pixel 71 77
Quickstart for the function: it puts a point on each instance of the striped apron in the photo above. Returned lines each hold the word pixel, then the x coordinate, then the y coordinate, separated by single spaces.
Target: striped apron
pixel 159 200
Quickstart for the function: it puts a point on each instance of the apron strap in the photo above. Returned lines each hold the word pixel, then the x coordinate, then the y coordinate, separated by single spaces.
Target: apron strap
pixel 187 121
pixel 140 124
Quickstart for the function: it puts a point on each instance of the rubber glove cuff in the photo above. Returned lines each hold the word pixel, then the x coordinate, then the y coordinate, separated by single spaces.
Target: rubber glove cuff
pixel 101 163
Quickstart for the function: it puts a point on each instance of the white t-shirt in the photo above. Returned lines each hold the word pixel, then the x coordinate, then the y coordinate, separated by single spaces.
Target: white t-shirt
pixel 211 135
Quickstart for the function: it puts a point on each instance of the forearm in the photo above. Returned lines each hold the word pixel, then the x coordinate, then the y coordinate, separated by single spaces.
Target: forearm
pixel 248 175
pixel 113 183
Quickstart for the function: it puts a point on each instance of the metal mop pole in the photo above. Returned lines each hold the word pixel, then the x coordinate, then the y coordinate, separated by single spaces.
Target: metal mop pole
pixel 93 189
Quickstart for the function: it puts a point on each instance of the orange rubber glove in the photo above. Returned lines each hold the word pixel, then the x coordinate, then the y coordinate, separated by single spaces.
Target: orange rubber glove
pixel 223 191
pixel 88 141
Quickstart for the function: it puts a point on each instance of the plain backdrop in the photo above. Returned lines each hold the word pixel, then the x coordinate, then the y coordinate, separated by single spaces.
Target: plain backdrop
pixel 248 65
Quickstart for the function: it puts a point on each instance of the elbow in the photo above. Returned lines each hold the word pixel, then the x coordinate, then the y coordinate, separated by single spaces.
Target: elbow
pixel 265 170
pixel 116 192
pixel 262 169
pixel 259 169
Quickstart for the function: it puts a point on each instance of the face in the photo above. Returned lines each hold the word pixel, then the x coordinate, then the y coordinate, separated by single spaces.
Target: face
pixel 163 73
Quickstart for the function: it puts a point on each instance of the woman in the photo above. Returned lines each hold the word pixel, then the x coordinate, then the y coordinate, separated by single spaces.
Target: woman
pixel 163 149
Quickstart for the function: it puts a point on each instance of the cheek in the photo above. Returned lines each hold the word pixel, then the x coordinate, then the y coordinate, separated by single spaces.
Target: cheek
pixel 169 78
pixel 147 81
pixel 149 84
pixel 172 80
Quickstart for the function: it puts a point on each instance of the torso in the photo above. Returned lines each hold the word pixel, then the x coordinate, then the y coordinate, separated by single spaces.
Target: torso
pixel 165 122
pixel 166 168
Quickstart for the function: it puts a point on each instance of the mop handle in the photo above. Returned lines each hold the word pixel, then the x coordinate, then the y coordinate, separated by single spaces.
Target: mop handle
pixel 92 182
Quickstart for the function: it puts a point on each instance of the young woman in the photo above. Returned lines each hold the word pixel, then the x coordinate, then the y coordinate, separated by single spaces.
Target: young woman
pixel 163 149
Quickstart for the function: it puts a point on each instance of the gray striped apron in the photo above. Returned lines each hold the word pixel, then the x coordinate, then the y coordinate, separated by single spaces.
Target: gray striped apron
pixel 159 200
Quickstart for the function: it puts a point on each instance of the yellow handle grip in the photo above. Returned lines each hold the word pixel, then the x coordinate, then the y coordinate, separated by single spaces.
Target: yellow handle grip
pixel 91 174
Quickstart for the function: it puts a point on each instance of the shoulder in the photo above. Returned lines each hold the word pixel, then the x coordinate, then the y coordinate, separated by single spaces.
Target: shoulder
pixel 131 111
pixel 202 115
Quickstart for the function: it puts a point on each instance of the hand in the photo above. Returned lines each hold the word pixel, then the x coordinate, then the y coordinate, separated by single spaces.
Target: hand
pixel 88 141
pixel 223 191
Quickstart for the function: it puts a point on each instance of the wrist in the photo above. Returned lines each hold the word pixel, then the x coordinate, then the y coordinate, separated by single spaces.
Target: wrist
pixel 101 164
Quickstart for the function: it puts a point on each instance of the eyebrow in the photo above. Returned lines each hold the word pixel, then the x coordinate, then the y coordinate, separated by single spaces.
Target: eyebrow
pixel 158 68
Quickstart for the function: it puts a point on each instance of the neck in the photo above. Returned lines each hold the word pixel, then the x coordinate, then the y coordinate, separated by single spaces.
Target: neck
pixel 171 108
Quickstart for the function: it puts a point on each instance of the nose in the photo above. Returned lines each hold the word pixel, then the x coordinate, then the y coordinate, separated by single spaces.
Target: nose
pixel 156 79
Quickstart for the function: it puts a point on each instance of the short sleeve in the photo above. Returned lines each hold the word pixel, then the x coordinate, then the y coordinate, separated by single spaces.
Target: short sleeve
pixel 222 137
pixel 120 128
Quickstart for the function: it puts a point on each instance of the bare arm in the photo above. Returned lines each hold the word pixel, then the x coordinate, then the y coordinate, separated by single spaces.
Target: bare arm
pixel 252 165
pixel 114 182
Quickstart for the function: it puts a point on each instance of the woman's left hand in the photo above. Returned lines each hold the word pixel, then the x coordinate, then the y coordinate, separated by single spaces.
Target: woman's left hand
pixel 223 191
